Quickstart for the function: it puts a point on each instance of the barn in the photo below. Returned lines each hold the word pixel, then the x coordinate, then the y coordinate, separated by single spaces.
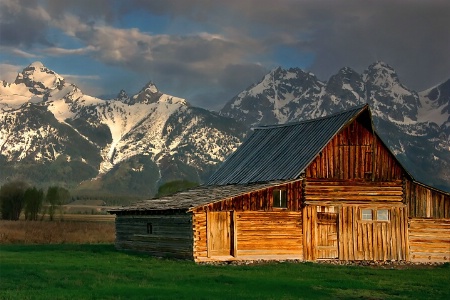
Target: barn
pixel 321 189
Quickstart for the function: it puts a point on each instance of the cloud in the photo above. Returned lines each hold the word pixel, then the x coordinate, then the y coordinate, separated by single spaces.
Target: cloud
pixel 9 72
pixel 220 47
pixel 23 23
pixel 18 52
pixel 56 51
pixel 180 63
pixel 412 36
pixel 72 77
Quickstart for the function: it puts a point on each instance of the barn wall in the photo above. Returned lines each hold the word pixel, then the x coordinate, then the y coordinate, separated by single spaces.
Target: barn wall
pixel 424 202
pixel 260 200
pixel 200 240
pixel 355 153
pixel 258 235
pixel 321 191
pixel 429 240
pixel 357 239
pixel 373 240
pixel 269 235
pixel 158 235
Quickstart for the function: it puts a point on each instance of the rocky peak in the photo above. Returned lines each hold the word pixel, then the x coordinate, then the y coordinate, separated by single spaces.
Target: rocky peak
pixel 39 79
pixel 148 94
pixel 123 96
pixel 381 74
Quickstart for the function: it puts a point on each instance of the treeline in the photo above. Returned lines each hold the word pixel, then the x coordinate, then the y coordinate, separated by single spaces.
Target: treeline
pixel 17 197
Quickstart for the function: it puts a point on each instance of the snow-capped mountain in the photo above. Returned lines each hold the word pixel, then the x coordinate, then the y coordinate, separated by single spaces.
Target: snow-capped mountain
pixel 51 132
pixel 416 126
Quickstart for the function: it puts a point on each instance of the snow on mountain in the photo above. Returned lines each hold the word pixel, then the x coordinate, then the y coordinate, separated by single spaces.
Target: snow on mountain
pixel 43 116
pixel 435 104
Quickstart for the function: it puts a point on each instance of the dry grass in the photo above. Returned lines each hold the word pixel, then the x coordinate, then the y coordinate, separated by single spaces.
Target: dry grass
pixel 57 232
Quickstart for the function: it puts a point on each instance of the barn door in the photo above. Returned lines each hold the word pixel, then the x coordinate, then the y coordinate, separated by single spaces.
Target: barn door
pixel 327 238
pixel 219 233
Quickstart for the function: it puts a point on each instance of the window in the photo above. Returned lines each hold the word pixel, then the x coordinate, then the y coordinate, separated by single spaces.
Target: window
pixel 382 215
pixel 366 215
pixel 149 228
pixel 280 198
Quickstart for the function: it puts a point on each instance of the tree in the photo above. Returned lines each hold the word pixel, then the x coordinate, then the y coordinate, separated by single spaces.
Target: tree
pixel 56 196
pixel 175 186
pixel 12 199
pixel 33 203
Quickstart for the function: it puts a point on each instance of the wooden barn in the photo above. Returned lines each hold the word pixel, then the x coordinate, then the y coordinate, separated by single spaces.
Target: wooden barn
pixel 326 188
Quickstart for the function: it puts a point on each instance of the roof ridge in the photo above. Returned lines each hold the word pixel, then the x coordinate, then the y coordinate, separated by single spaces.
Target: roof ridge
pixel 355 108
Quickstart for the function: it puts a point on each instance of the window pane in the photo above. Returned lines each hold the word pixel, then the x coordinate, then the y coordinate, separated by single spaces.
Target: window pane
pixel 283 200
pixel 280 198
pixel 382 215
pixel 366 214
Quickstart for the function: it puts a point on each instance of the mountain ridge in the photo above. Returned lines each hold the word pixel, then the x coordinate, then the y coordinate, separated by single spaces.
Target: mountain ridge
pixel 53 133
pixel 142 129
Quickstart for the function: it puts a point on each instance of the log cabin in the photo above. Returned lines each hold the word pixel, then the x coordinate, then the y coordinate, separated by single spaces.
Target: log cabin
pixel 322 189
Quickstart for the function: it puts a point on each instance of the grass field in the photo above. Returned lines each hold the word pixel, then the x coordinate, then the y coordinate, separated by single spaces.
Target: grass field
pixel 81 229
pixel 100 272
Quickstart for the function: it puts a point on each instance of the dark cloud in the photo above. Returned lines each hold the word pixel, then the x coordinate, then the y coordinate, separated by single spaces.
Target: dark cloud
pixel 22 24
pixel 413 36
pixel 86 10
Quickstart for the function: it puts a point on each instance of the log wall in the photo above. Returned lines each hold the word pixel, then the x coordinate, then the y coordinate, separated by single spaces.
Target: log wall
pixel 258 235
pixel 158 235
pixel 269 235
pixel 429 240
pixel 322 191
pixel 425 202
pixel 355 153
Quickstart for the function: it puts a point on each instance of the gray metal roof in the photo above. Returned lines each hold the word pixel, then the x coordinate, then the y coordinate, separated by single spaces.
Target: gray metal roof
pixel 193 198
pixel 281 152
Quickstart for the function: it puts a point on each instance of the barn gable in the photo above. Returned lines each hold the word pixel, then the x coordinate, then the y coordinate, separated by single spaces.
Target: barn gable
pixel 284 152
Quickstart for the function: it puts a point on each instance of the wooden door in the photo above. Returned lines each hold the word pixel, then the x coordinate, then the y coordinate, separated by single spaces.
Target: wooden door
pixel 219 233
pixel 327 237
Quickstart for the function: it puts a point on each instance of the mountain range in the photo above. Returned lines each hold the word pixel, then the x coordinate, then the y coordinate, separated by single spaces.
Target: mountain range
pixel 415 125
pixel 52 133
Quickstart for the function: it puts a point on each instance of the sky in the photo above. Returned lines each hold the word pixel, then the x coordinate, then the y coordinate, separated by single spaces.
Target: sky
pixel 207 51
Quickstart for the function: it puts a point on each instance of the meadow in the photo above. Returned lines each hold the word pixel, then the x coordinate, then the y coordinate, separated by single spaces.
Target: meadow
pixel 76 229
pixel 91 268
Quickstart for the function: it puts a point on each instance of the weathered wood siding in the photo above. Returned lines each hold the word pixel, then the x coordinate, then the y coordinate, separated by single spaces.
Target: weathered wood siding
pixel 257 235
pixel 158 235
pixel 429 240
pixel 269 235
pixel 260 200
pixel 200 236
pixel 253 217
pixel 357 239
pixel 425 202
pixel 355 153
pixel 373 240
pixel 326 191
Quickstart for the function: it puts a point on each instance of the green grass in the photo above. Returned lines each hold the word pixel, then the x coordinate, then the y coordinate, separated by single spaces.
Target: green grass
pixel 100 272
